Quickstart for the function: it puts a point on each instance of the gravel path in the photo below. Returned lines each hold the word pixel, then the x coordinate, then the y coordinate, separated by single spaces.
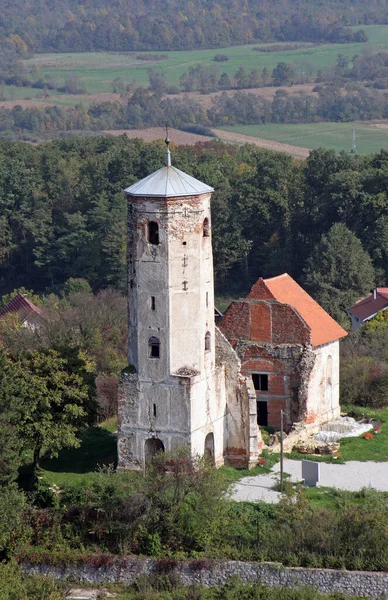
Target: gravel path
pixel 352 476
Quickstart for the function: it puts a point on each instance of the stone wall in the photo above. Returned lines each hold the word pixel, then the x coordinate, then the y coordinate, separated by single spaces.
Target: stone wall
pixel 243 436
pixel 216 573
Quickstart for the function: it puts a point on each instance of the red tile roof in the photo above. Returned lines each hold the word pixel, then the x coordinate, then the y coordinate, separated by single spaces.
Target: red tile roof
pixel 369 306
pixel 21 305
pixel 285 290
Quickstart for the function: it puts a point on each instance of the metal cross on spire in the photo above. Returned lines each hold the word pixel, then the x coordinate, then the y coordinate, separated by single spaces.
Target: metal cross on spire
pixel 167 142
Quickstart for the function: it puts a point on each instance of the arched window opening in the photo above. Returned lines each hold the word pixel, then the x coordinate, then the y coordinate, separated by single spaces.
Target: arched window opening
pixel 152 447
pixel 154 347
pixel 153 233
pixel 208 339
pixel 206 227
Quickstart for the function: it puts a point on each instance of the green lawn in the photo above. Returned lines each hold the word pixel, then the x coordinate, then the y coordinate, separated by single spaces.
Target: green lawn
pixel 98 449
pixel 97 69
pixel 338 136
pixel 360 448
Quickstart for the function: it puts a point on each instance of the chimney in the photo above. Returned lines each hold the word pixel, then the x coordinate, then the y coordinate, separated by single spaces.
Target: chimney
pixel 374 293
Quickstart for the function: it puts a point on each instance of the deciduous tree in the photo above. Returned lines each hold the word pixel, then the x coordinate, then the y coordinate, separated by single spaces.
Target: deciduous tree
pixel 339 271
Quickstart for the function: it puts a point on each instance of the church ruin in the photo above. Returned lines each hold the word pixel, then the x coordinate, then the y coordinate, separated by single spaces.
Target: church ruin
pixel 184 384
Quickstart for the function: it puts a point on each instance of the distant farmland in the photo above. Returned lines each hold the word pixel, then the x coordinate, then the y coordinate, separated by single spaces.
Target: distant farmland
pixel 97 70
pixel 370 137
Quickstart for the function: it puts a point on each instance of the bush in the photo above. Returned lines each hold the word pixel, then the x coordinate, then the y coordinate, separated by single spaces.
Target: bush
pixel 364 382
pixel 14 532
pixel 198 129
pixel 221 58
pixel 15 586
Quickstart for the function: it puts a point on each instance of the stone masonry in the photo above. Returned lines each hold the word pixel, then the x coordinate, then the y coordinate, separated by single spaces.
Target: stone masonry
pixel 216 573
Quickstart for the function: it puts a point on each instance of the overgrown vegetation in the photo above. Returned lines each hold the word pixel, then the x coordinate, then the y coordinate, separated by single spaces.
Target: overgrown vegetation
pixel 179 512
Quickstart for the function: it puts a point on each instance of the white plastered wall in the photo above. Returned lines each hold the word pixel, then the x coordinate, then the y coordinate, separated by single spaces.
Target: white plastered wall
pixel 323 388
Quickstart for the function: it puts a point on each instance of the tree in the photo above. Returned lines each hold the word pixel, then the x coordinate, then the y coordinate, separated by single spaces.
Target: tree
pixel 9 443
pixel 49 404
pixel 224 82
pixel 241 78
pixel 283 74
pixel 185 510
pixel 339 271
pixel 341 65
pixel 157 79
pixel 75 285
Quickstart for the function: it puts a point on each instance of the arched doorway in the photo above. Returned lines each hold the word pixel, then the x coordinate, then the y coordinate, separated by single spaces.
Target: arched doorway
pixel 151 447
pixel 209 448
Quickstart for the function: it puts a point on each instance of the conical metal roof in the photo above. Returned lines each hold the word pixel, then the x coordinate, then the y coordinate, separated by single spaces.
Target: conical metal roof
pixel 168 182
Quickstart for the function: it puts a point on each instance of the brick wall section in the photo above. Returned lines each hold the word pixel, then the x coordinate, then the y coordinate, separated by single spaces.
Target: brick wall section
pixel 276 384
pixel 288 327
pixel 260 291
pixel 274 407
pixel 265 322
pixel 260 322
pixel 236 321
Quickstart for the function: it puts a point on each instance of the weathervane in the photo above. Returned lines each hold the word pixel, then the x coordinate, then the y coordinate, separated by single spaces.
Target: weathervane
pixel 167 142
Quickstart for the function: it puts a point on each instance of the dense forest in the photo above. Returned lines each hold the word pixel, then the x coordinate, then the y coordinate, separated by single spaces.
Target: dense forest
pixel 70 26
pixel 63 214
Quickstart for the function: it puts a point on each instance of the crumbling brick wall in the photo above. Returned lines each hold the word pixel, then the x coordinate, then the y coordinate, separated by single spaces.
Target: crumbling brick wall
pixel 271 338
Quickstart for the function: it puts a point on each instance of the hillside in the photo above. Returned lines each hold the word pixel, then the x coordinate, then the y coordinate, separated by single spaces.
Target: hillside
pixel 123 25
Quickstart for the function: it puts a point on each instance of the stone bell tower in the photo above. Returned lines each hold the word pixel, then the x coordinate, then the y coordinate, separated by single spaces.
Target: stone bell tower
pixel 167 394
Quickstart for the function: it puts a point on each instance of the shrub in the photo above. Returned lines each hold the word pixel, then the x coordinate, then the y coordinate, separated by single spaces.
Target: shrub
pixel 15 586
pixel 364 382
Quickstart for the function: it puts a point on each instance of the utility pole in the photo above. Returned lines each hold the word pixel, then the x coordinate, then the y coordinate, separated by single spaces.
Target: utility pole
pixel 354 150
pixel 281 450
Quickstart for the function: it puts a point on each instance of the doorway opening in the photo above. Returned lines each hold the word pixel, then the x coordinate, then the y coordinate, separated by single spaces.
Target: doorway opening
pixel 262 413
pixel 209 448
pixel 152 447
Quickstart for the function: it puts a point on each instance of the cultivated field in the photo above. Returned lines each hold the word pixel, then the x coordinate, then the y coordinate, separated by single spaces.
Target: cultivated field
pixel 159 133
pixel 370 136
pixel 234 136
pixel 97 69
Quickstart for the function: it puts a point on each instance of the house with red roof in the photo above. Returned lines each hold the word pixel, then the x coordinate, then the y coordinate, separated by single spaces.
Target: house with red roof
pixel 289 346
pixel 368 307
pixel 29 315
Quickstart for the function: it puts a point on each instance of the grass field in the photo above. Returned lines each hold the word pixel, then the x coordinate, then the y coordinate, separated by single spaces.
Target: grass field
pixel 97 69
pixel 370 137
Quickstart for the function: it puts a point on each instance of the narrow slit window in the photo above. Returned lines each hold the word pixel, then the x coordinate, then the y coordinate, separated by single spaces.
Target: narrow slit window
pixel 206 227
pixel 154 347
pixel 207 341
pixel 153 233
pixel 207 299
pixel 154 410
pixel 260 382
pixel 153 303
